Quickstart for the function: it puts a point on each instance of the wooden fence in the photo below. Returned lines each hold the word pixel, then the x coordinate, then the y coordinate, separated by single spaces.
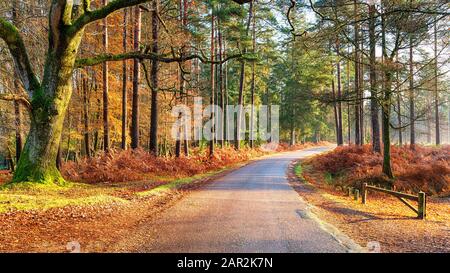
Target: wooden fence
pixel 421 198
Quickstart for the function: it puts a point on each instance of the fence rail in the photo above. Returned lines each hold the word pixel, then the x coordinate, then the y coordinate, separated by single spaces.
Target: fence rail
pixel 421 198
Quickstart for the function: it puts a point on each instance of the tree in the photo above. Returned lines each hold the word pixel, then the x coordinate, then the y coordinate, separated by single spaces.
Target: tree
pixel 124 81
pixel 154 81
pixel 136 77
pixel 50 97
pixel 105 86
pixel 374 109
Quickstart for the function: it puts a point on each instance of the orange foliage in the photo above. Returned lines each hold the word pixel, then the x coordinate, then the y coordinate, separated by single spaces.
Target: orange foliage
pixel 5 176
pixel 119 166
pixel 424 169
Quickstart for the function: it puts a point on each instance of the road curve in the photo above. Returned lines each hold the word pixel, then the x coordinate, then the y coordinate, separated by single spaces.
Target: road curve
pixel 253 209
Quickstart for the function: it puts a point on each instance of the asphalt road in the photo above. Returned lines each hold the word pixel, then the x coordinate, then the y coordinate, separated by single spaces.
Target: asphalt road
pixel 253 209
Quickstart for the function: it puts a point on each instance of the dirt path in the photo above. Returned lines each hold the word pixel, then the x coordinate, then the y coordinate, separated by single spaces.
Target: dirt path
pixel 253 209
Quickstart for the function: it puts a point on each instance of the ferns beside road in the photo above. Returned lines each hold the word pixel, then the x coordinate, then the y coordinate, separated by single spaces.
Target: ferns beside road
pixel 424 169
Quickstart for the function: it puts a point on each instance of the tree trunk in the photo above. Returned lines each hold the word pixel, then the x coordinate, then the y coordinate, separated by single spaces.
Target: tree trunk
pixel 38 160
pixel 84 88
pixel 211 142
pixel 386 109
pixel 252 88
pixel 184 20
pixel 136 76
pixel 412 121
pixel 374 110
pixel 387 169
pixel 357 80
pixel 221 86
pixel 154 81
pixel 105 86
pixel 124 82
pixel 340 137
pixel 242 86
pixel 436 93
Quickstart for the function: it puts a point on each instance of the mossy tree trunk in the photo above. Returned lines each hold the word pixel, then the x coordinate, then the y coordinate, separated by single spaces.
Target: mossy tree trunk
pixel 48 100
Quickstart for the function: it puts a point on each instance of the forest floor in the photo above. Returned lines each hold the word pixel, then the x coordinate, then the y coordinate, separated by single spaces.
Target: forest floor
pixel 384 221
pixel 43 218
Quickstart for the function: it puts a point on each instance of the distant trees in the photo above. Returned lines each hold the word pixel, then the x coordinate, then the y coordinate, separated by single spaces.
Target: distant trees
pixel 397 29
pixel 129 63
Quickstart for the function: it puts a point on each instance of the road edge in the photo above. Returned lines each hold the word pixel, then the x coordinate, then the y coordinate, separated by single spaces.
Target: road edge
pixel 348 243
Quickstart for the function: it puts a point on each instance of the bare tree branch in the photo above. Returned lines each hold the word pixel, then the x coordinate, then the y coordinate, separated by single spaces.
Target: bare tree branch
pixel 99 59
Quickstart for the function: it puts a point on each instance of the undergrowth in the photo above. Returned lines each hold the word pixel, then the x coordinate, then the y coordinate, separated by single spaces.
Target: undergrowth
pixel 423 169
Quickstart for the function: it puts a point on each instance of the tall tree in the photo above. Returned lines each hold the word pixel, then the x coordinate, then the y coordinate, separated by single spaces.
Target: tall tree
pixel 242 85
pixel 386 105
pixel 136 77
pixel 212 82
pixel 124 81
pixel 105 85
pixel 412 112
pixel 436 93
pixel 154 81
pixel 340 137
pixel 376 145
pixel 357 77
pixel 253 79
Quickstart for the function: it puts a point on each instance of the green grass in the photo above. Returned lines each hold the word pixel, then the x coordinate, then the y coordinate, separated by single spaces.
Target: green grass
pixel 36 196
pixel 329 179
pixel 177 183
pixel 43 196
pixel 298 170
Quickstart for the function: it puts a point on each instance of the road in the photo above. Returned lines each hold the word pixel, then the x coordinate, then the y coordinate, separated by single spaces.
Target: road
pixel 253 209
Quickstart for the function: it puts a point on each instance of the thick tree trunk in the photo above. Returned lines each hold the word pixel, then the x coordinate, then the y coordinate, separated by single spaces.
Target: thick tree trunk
pixel 136 76
pixel 38 160
pixel 386 109
pixel 374 110
pixel 154 82
pixel 49 104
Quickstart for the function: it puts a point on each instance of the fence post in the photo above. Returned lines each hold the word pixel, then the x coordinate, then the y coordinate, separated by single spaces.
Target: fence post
pixel 422 205
pixel 356 194
pixel 349 191
pixel 364 193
